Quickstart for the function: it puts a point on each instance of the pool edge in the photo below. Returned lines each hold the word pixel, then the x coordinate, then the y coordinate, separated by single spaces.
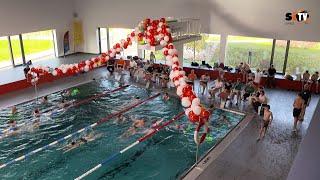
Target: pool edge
pixel 213 153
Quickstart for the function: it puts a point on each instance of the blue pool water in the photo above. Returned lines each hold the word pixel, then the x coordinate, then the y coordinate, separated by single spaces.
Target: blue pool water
pixel 165 155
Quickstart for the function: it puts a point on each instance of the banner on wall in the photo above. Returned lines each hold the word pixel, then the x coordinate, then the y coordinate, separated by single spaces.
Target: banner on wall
pixel 66 45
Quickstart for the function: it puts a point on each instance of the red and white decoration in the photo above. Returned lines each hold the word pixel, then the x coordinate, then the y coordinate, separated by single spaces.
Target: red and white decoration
pixel 152 32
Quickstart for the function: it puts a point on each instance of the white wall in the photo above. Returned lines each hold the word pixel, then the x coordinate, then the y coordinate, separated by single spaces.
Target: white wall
pixel 257 18
pixel 127 14
pixel 263 18
pixel 22 16
pixel 260 18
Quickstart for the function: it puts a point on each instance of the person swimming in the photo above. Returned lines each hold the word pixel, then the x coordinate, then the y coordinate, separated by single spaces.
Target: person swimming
pixel 82 140
pixel 36 113
pixel 64 104
pixel 120 119
pixel 65 93
pixel 225 120
pixel 133 129
pixel 44 99
pixel 166 97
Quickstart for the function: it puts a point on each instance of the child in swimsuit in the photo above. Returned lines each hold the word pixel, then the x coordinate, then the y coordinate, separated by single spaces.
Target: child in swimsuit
pixel 267 119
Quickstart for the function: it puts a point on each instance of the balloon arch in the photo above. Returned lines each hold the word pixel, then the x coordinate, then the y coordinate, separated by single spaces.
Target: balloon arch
pixel 152 32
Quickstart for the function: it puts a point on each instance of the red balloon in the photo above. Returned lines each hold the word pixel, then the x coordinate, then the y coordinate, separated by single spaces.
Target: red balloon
pixel 96 60
pixel 192 96
pixel 140 35
pixel 128 39
pixel 177 63
pixel 147 21
pixel 166 53
pixel 103 54
pixel 176 68
pixel 133 34
pixel 186 89
pixel 164 31
pixel 170 46
pixel 204 113
pixel 117 46
pixel 163 20
pixel 193 117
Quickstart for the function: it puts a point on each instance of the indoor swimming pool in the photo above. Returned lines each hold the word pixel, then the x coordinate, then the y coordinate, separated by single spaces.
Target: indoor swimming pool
pixel 165 155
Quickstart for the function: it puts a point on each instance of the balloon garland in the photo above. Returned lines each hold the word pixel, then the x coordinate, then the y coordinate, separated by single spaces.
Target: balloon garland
pixel 151 33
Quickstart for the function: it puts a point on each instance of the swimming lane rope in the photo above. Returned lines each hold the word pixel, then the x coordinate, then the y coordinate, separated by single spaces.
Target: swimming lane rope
pixel 143 138
pixel 74 104
pixel 101 121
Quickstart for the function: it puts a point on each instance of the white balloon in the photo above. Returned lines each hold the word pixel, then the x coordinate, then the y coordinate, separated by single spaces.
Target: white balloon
pixel 163 43
pixel 86 68
pixel 187 111
pixel 112 54
pixel 196 102
pixel 166 38
pixel 174 65
pixel 176 83
pixel 161 35
pixel 196 110
pixel 175 51
pixel 118 49
pixel 185 101
pixel 170 51
pixel 64 70
pixel 54 73
pixel 179 90
pixel 175 59
pixel 160 24
pixel 183 79
pixel 168 30
pixel 169 62
pixel 159 29
pixel 107 58
pixel 176 73
pixel 182 73
pixel 95 65
pixel 87 62
pixel 183 83
pixel 113 51
pixel 169 58
pixel 164 49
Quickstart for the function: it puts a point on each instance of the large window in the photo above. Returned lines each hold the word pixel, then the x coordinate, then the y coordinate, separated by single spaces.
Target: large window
pixel 279 55
pixel 303 56
pixel 115 36
pixel 16 50
pixel 238 48
pixel 104 39
pixel 38 45
pixel 160 58
pixel 5 59
pixel 207 49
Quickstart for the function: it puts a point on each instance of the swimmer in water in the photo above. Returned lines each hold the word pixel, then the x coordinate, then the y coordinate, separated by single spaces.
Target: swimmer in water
pixel 154 126
pixel 64 104
pixel 133 129
pixel 84 139
pixel 166 97
pixel 225 120
pixel 120 119
pixel 14 110
pixel 44 99
pixel 65 93
pixel 36 113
